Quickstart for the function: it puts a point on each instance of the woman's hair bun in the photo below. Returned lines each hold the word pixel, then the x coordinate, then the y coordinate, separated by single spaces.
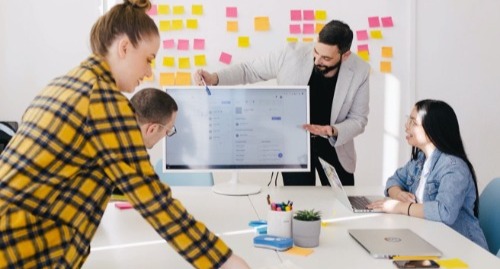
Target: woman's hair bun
pixel 142 4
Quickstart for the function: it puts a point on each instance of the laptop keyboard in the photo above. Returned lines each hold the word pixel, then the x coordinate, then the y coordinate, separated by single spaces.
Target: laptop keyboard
pixel 359 202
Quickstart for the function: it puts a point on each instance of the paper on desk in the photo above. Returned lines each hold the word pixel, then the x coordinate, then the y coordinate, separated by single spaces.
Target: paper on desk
pixel 452 263
pixel 285 265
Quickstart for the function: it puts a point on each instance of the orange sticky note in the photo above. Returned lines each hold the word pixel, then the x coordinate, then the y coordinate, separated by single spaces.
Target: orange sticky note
pixel 192 23
pixel 299 251
pixel 149 79
pixel 232 26
pixel 376 34
pixel 177 24
pixel 243 41
pixel 167 79
pixel 307 39
pixel 292 40
pixel 387 52
pixel 261 23
pixel 169 61
pixel 178 10
pixel 183 79
pixel 320 15
pixel 184 63
pixel 200 60
pixel 197 9
pixel 318 27
pixel 385 67
pixel 364 55
pixel 163 9
pixel 165 26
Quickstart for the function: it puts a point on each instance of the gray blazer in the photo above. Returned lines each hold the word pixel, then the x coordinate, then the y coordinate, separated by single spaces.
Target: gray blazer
pixel 293 65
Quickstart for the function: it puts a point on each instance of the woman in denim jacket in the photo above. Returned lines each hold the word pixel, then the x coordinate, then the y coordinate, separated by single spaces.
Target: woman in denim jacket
pixel 439 182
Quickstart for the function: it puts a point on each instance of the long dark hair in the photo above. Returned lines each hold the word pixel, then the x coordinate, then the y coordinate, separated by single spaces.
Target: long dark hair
pixel 440 123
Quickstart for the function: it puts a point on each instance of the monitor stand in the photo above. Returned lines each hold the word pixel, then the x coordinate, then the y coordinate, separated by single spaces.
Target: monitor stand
pixel 234 188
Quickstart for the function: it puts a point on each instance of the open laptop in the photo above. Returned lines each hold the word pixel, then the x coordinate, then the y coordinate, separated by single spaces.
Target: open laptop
pixel 356 203
pixel 390 243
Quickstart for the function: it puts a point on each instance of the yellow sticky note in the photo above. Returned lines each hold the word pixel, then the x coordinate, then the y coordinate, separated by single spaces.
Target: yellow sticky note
pixel 200 60
pixel 167 79
pixel 177 24
pixel 387 52
pixel 232 26
pixel 153 63
pixel 243 41
pixel 197 9
pixel 178 10
pixel 292 40
pixel 364 55
pixel 318 27
pixel 184 63
pixel 376 34
pixel 261 23
pixel 163 9
pixel 320 15
pixel 165 26
pixel 452 263
pixel 299 251
pixel 385 67
pixel 169 61
pixel 192 23
pixel 183 78
pixel 307 39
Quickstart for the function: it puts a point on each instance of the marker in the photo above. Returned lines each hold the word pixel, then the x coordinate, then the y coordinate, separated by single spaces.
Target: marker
pixel 268 199
pixel 205 84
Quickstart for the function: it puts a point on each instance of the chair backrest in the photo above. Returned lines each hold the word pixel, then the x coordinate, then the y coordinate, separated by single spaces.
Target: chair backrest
pixel 489 214
pixel 184 179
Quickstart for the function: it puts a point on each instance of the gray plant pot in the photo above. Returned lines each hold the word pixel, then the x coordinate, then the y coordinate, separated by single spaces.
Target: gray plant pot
pixel 306 233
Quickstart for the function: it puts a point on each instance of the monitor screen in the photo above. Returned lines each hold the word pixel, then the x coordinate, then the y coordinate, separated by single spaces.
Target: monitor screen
pixel 241 128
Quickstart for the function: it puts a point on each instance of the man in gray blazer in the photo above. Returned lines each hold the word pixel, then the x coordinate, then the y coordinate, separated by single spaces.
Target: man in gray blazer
pixel 339 95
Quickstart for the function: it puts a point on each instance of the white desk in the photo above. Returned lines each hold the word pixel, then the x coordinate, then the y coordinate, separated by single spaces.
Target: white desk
pixel 113 246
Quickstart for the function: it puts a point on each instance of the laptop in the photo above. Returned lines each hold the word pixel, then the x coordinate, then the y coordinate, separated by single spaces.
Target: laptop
pixel 356 203
pixel 390 243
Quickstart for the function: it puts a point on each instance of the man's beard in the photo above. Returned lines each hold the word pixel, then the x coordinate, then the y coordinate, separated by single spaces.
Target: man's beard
pixel 326 69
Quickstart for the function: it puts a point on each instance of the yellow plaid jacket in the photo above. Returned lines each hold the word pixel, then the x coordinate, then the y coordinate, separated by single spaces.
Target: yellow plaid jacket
pixel 78 140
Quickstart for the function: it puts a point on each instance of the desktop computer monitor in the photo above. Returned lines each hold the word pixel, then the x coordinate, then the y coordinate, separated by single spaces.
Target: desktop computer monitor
pixel 239 128
pixel 7 131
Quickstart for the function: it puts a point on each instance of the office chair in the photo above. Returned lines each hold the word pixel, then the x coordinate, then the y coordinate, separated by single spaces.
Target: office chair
pixel 489 215
pixel 184 179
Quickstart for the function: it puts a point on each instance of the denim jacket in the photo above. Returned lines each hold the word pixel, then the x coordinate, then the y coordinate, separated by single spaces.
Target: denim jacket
pixel 449 193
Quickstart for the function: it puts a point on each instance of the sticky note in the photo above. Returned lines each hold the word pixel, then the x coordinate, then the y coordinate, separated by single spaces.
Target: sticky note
pixel 184 63
pixel 318 27
pixel 292 40
pixel 387 52
pixel 167 79
pixel 385 67
pixel 376 34
pixel 153 11
pixel 300 251
pixel 168 61
pixel 320 15
pixel 225 57
pixel 183 44
pixel 231 12
pixel 197 9
pixel 364 55
pixel 295 29
pixel 200 60
pixel 165 26
pixel 183 78
pixel 295 15
pixel 168 44
pixel 177 24
pixel 308 15
pixel 374 22
pixel 178 10
pixel 363 47
pixel 307 39
pixel 153 63
pixel 308 28
pixel 192 24
pixel 199 44
pixel 163 9
pixel 362 35
pixel 232 26
pixel 261 23
pixel 243 41
pixel 123 205
pixel 387 22
pixel 452 263
pixel 149 79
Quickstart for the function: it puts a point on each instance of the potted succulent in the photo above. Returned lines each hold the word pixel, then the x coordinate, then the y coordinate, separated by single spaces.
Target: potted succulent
pixel 306 226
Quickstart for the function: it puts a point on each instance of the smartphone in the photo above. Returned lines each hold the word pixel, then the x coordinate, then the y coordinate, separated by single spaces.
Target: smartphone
pixel 416 264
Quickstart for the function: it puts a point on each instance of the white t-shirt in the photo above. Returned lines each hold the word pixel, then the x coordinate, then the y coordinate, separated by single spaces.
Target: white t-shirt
pixel 419 194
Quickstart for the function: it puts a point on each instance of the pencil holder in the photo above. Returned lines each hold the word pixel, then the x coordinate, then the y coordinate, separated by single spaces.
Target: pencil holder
pixel 279 223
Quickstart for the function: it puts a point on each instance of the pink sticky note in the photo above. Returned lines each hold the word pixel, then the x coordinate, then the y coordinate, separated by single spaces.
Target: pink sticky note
pixel 387 22
pixel 363 47
pixel 362 35
pixel 199 44
pixel 308 28
pixel 153 11
pixel 373 21
pixel 123 205
pixel 295 15
pixel 295 29
pixel 231 12
pixel 308 15
pixel 183 44
pixel 168 44
pixel 225 58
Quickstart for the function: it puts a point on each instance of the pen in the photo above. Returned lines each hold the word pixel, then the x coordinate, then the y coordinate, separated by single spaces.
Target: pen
pixel 205 84
pixel 268 199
